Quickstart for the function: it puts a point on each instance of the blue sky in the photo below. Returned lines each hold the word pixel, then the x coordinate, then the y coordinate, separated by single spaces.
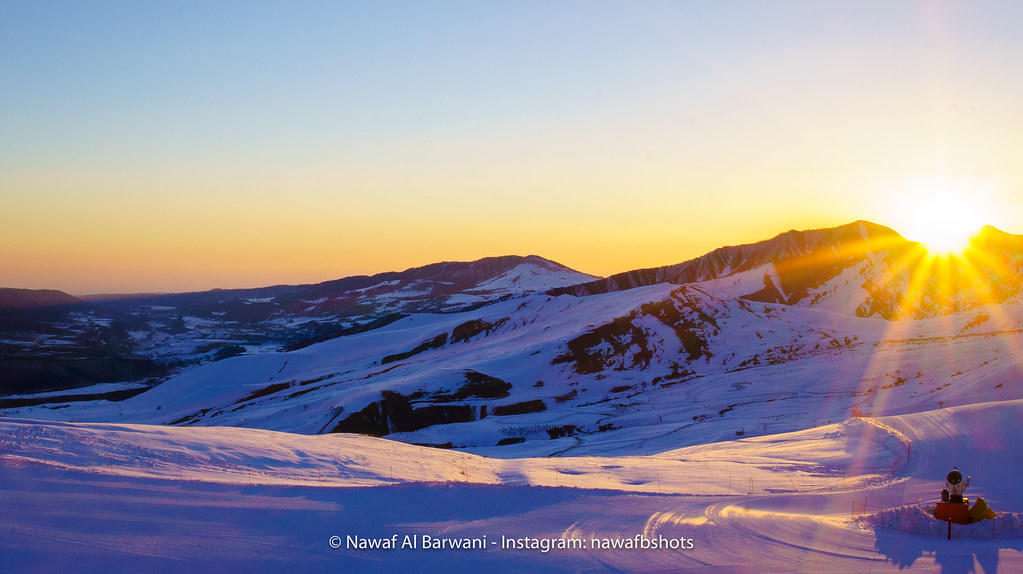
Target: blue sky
pixel 608 135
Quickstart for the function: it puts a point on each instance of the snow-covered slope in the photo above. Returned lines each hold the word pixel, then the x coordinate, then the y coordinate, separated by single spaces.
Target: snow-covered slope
pixel 248 498
pixel 534 274
pixel 633 371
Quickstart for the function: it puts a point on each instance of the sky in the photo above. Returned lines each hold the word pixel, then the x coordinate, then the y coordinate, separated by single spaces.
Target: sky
pixel 170 146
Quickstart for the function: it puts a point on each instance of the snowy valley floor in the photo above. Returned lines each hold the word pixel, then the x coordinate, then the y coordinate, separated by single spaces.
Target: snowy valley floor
pixel 96 497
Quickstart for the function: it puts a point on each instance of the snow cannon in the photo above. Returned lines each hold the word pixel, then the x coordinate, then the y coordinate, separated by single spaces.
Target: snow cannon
pixel 954 507
pixel 957 512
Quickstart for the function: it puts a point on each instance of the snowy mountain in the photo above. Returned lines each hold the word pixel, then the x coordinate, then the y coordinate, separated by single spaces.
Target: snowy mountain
pixel 48 344
pixel 438 287
pixel 862 268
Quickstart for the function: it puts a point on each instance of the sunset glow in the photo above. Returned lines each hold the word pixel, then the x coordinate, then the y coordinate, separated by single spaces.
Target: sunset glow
pixel 157 149
pixel 433 286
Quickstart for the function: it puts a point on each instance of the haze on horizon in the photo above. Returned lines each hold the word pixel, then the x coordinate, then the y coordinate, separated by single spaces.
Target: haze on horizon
pixel 183 146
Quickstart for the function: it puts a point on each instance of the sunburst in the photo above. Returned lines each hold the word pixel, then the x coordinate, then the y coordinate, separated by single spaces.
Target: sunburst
pixel 944 223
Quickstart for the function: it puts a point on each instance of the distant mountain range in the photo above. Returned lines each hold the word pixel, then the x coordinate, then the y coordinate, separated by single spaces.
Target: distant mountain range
pixel 51 340
pixel 438 287
pixel 795 267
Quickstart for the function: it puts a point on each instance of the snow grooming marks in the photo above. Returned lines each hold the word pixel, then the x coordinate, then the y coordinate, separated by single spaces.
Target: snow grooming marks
pixel 896 442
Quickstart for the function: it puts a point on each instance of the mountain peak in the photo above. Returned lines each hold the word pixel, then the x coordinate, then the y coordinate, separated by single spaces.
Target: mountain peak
pixel 992 238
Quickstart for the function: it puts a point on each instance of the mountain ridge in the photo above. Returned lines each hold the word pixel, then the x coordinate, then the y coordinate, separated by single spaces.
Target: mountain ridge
pixel 821 247
pixel 23 299
pixel 861 267
pixel 491 263
pixel 730 259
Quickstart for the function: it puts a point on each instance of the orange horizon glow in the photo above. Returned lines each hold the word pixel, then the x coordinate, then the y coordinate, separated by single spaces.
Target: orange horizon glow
pixel 155 267
pixel 156 151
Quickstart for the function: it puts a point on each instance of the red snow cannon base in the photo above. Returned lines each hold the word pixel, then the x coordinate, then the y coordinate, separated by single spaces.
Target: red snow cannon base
pixel 957 512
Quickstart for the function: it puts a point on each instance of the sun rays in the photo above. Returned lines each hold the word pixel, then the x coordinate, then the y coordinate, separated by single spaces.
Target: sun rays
pixel 940 213
pixel 941 299
pixel 948 294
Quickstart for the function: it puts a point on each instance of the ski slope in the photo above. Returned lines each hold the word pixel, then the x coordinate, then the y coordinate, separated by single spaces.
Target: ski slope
pixel 91 497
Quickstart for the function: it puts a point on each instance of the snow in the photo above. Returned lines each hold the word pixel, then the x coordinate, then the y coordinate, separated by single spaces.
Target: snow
pixel 918 520
pixel 248 456
pixel 773 369
pixel 377 286
pixel 530 277
pixel 743 442
pixel 410 290
pixel 459 299
pixel 198 322
pixel 739 284
pixel 254 497
pixel 254 300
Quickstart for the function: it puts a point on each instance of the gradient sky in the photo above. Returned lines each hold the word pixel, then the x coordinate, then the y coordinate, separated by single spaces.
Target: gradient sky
pixel 163 146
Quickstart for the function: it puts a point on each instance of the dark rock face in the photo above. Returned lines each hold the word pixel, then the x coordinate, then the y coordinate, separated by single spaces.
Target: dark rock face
pixel 434 343
pixel 686 319
pixel 585 351
pixel 511 440
pixel 478 385
pixel 461 334
pixel 466 331
pixel 376 418
pixel 609 345
pixel 423 417
pixel 394 413
pixel 525 407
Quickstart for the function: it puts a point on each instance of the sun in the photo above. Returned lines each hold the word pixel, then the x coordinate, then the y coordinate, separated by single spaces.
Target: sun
pixel 944 226
pixel 942 222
